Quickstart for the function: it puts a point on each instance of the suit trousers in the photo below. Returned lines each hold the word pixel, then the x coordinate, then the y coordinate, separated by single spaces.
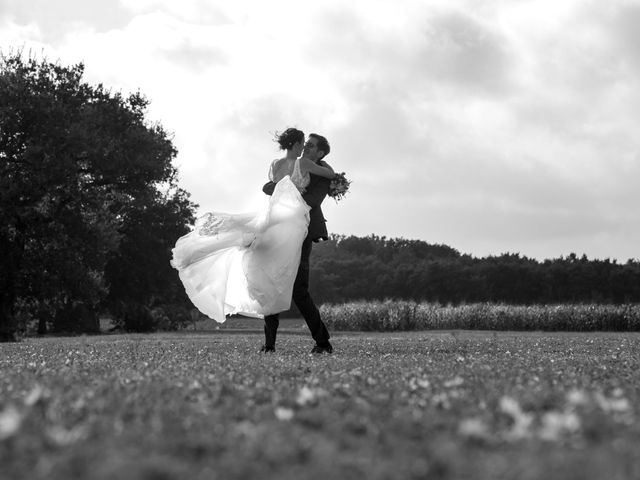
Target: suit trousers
pixel 303 301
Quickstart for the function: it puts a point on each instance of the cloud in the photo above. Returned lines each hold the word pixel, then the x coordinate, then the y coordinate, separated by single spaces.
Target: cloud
pixel 197 58
pixel 490 126
pixel 55 21
pixel 194 12
pixel 617 22
pixel 461 51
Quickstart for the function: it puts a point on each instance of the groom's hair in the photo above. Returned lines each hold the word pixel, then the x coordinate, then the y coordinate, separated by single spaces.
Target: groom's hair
pixel 323 143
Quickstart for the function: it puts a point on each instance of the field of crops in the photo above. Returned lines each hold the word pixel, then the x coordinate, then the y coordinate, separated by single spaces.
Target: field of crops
pixel 448 405
pixel 403 315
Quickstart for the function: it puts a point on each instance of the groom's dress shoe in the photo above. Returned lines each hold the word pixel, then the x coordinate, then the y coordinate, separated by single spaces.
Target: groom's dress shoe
pixel 324 348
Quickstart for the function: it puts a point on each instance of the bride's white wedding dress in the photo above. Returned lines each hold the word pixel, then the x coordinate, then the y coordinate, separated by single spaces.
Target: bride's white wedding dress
pixel 246 263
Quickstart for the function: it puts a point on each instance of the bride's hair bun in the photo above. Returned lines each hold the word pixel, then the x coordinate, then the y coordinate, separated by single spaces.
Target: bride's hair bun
pixel 289 138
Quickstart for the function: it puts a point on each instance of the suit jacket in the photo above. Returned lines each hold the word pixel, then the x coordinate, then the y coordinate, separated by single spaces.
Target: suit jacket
pixel 317 190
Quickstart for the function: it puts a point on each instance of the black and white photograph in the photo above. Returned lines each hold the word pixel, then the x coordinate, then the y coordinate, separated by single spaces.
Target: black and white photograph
pixel 375 239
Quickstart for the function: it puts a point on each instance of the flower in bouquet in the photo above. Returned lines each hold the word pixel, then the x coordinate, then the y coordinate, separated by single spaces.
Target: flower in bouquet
pixel 339 186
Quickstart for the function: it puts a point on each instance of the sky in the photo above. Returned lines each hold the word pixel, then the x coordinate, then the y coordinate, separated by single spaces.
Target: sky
pixel 491 126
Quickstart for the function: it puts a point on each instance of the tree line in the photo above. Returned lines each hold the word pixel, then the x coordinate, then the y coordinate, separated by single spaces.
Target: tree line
pixel 349 268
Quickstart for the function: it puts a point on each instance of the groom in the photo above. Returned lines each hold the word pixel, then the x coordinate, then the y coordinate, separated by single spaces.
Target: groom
pixel 316 148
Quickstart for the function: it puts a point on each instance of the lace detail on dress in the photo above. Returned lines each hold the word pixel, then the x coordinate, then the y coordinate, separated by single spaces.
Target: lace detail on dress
pixel 280 169
pixel 210 224
pixel 299 180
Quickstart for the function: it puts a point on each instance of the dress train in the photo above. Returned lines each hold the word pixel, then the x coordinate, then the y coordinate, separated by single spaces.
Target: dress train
pixel 245 263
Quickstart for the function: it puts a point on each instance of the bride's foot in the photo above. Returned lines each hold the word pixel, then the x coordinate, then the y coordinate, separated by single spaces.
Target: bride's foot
pixel 267 349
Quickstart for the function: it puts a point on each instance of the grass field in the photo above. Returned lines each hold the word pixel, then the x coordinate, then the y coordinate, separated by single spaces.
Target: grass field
pixel 449 405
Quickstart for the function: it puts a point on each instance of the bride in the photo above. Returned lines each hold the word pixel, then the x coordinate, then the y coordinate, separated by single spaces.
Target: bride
pixel 247 263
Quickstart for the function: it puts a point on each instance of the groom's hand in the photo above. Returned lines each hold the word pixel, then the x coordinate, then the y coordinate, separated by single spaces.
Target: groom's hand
pixel 268 188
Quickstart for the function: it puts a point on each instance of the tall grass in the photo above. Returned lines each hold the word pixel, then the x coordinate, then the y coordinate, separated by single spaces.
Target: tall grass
pixel 392 315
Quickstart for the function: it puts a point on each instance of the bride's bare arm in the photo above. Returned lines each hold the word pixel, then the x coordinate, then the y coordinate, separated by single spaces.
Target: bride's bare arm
pixel 322 170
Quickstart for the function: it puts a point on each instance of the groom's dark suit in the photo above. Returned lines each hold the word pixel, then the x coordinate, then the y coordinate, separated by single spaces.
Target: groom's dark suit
pixel 315 193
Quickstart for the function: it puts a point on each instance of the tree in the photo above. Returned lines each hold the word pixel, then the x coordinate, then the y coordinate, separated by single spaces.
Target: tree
pixel 348 268
pixel 75 161
pixel 143 287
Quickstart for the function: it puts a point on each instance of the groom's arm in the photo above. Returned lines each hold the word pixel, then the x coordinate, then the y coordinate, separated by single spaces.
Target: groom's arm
pixel 268 188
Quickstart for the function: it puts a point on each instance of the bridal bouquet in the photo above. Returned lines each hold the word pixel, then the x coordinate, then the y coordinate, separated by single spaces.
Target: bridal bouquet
pixel 339 186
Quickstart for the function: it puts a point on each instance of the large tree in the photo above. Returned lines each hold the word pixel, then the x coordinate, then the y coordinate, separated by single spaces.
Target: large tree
pixel 77 164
